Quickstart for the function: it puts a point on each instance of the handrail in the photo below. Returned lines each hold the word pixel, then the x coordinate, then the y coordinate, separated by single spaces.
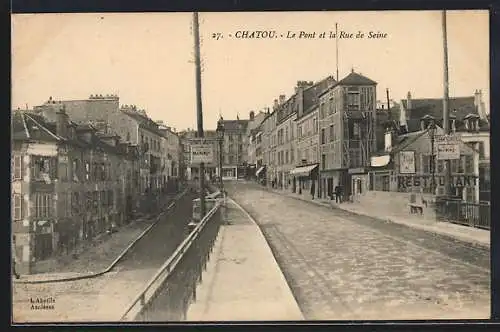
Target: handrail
pixel 165 270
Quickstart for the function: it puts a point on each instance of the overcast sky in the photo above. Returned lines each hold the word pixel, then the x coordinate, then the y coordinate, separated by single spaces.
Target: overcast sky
pixel 147 58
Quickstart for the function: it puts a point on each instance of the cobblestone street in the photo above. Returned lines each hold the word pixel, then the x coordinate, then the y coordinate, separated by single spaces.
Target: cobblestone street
pixel 342 266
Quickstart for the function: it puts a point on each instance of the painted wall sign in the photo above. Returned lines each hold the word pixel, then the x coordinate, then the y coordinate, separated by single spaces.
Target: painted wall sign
pixel 407 162
pixel 425 181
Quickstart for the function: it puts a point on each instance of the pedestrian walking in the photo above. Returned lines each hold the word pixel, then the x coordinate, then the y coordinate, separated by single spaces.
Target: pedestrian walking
pixel 338 193
pixel 313 189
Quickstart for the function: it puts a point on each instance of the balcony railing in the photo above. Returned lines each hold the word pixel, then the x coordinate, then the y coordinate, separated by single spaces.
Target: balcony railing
pixel 464 213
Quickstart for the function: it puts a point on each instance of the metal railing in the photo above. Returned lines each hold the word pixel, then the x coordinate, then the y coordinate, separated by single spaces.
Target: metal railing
pixel 169 293
pixel 464 213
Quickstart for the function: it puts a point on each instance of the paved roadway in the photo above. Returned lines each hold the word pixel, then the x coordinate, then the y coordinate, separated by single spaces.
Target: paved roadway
pixel 105 298
pixel 343 266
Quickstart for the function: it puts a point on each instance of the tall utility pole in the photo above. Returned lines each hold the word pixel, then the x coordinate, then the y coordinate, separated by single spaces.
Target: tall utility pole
pixel 388 105
pixel 337 50
pixel 199 108
pixel 446 113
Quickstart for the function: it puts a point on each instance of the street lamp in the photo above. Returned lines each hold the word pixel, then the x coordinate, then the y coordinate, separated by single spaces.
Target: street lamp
pixel 431 130
pixel 220 136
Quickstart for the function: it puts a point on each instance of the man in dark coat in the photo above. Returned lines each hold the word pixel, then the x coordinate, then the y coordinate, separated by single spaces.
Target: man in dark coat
pixel 338 194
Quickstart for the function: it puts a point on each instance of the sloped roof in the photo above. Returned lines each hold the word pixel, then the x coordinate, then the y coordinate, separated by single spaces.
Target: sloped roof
pixel 404 140
pixel 459 107
pixel 351 79
pixel 356 79
pixel 144 121
pixel 32 127
pixel 234 125
pixel 311 94
pixel 28 126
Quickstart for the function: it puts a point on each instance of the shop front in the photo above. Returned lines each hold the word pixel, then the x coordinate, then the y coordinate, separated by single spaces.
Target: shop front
pixel 359 183
pixel 305 178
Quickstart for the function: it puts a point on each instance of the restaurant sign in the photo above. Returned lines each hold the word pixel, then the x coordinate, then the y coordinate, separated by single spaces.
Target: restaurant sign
pixel 426 181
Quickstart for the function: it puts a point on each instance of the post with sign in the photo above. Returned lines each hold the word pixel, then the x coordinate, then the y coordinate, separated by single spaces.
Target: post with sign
pixel 199 109
pixel 447 148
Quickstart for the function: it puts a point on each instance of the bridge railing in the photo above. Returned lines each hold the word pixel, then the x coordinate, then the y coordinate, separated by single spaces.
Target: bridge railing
pixel 465 213
pixel 167 296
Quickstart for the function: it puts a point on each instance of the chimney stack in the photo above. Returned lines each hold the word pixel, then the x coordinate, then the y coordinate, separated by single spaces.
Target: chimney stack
pixel 252 115
pixel 408 101
pixel 276 104
pixel 62 122
pixel 282 99
pixel 477 98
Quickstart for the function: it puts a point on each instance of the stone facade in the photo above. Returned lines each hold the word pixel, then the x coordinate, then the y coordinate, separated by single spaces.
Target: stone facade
pixel 69 185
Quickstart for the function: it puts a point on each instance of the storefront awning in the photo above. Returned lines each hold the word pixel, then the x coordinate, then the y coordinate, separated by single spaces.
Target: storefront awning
pixel 303 170
pixel 380 161
pixel 260 170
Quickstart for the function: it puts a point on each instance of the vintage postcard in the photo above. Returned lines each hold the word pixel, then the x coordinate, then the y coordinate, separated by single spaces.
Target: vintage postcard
pixel 250 166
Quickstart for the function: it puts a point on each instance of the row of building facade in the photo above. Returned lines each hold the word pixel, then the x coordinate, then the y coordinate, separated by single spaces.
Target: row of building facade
pixel 80 167
pixel 336 133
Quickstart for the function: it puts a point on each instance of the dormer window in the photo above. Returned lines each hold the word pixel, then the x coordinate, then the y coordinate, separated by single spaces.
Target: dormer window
pixel 425 121
pixel 472 122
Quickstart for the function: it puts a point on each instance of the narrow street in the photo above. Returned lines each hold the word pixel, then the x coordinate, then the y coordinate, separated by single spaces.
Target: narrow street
pixel 105 298
pixel 343 266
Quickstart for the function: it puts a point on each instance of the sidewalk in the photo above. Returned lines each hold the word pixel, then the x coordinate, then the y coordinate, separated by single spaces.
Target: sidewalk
pixel 242 281
pixel 99 255
pixel 463 233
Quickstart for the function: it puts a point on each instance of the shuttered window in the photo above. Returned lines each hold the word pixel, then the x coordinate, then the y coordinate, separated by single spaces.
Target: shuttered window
pixel 17 211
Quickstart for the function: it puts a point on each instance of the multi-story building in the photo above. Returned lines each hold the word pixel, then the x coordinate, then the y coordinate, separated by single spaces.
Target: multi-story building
pixel 286 147
pixel 235 147
pixel 131 124
pixel 269 146
pixel 171 153
pixel 306 173
pixel 68 185
pixel 144 132
pixel 253 129
pixel 347 117
pixel 468 121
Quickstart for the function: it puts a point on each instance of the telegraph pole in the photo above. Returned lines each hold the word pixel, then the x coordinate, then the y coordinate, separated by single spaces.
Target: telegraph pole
pixel 446 113
pixel 199 109
pixel 337 50
pixel 388 105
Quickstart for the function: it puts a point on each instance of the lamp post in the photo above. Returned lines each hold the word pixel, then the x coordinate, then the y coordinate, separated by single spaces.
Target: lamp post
pixel 220 136
pixel 431 130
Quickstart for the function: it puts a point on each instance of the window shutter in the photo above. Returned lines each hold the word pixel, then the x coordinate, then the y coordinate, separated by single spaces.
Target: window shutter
pixel 53 168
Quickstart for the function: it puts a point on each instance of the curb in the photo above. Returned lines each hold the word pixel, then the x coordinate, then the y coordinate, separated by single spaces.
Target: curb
pixel 391 220
pixel 272 255
pixel 113 264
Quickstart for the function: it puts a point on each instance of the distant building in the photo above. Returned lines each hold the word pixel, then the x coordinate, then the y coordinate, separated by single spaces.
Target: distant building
pixel 131 124
pixel 347 116
pixel 235 154
pixel 171 153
